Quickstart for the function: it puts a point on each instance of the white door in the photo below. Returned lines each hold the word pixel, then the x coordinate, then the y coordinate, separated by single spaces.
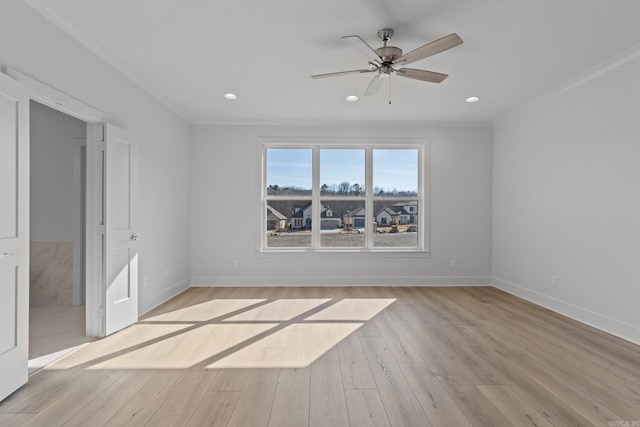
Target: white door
pixel 14 235
pixel 121 248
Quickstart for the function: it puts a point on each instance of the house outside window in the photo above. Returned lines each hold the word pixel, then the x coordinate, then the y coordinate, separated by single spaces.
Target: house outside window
pixel 343 195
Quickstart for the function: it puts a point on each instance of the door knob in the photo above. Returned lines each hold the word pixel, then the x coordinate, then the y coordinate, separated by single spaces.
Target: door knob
pixel 134 237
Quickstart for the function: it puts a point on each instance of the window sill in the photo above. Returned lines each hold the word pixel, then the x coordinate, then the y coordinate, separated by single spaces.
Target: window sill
pixel 343 253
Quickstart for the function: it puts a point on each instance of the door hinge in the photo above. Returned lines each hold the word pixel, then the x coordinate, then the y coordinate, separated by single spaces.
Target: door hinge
pixel 100 312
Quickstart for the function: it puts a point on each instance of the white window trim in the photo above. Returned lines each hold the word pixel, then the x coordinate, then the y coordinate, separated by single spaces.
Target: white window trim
pixel 421 144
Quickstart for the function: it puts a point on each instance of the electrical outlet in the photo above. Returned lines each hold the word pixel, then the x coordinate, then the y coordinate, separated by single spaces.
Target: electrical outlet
pixel 454 263
pixel 146 282
pixel 554 280
pixel 235 263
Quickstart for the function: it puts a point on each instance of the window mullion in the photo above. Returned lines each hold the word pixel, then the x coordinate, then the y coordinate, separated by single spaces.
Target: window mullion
pixel 315 199
pixel 423 195
pixel 368 206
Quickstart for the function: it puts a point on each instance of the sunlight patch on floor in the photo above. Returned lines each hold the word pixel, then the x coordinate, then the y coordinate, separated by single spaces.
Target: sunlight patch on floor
pixel 280 310
pixel 205 311
pixel 186 349
pixel 231 333
pixel 353 309
pixel 138 335
pixel 296 346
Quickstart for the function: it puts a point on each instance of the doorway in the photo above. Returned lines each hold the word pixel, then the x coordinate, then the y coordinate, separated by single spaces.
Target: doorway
pixel 57 288
pixel 110 292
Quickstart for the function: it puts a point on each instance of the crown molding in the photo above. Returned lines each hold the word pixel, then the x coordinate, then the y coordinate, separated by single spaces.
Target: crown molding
pixel 577 81
pixel 346 123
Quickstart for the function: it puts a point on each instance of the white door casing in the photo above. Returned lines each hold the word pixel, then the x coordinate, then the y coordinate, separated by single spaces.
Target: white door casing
pixel 14 235
pixel 121 248
pixel 94 231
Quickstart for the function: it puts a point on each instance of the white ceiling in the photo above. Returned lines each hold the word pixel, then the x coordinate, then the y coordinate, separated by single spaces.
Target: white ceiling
pixel 189 53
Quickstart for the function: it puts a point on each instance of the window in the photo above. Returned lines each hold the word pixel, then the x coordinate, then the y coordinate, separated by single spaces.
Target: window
pixel 342 196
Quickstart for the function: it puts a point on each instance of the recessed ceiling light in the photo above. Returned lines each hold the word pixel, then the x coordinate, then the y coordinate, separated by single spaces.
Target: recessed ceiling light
pixel 352 98
pixel 473 99
pixel 231 96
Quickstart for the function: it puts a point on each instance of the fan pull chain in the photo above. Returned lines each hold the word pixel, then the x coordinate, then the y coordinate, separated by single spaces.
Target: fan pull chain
pixel 389 91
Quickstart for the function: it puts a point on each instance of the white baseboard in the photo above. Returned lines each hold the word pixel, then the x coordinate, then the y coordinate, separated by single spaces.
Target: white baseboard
pixel 164 296
pixel 259 281
pixel 599 321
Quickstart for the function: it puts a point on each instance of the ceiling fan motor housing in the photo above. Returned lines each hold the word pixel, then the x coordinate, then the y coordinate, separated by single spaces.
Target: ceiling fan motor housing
pixel 389 53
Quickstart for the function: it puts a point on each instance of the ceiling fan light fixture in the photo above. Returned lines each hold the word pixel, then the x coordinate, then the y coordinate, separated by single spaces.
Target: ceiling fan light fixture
pixel 352 98
pixel 230 96
pixel 472 99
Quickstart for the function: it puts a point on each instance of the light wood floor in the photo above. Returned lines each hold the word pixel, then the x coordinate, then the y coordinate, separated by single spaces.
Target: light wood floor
pixel 342 357
pixel 55 328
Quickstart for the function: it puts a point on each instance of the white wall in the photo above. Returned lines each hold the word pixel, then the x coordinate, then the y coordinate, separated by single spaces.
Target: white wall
pixel 57 205
pixel 225 206
pixel 34 46
pixel 55 139
pixel 566 199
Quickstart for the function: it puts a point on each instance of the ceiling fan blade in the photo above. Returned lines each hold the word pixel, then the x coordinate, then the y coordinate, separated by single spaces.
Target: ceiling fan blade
pixel 374 86
pixel 342 73
pixel 364 48
pixel 427 76
pixel 429 49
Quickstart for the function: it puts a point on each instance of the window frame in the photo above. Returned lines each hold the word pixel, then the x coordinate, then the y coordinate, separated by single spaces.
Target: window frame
pixel 369 144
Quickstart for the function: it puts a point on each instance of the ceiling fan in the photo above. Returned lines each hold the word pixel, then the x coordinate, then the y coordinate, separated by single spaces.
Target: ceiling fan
pixel 389 59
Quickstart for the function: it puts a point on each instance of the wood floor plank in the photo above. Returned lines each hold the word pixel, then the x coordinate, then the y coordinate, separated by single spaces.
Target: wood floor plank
pixel 397 397
pixel 369 329
pixel 291 403
pixel 365 409
pixel 552 409
pixel 453 377
pixel 567 343
pixel 327 402
pixel 516 409
pixel 55 328
pixel 256 399
pixel 438 310
pixel 473 404
pixel 356 373
pixel 399 345
pixel 592 410
pixel 181 404
pixel 458 353
pixel 84 390
pixel 434 400
pixel 551 347
pixel 441 340
pixel 613 392
pixel 100 410
pixel 229 380
pixel 215 409
pixel 144 404
pixel 14 419
pixel 42 389
pixel 589 342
